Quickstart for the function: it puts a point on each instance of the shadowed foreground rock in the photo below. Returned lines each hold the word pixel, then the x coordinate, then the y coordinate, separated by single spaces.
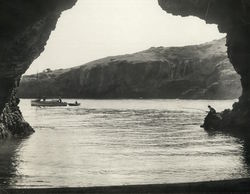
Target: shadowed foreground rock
pixel 12 122
pixel 230 186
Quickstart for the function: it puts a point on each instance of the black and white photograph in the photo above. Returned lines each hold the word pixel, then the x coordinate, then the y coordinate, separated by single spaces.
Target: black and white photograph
pixel 124 96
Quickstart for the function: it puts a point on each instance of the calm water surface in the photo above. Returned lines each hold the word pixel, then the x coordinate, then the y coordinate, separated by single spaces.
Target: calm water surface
pixel 120 142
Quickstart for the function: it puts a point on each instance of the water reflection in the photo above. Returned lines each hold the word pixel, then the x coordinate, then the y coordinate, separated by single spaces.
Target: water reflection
pixel 121 142
pixel 241 138
pixel 246 151
pixel 9 161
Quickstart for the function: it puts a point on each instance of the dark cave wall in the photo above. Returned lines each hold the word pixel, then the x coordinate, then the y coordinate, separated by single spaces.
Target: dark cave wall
pixel 12 122
pixel 238 42
pixel 226 13
pixel 25 28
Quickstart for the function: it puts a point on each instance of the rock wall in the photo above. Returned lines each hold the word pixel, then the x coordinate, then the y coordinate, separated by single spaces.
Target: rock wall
pixel 233 18
pixel 25 28
pixel 12 122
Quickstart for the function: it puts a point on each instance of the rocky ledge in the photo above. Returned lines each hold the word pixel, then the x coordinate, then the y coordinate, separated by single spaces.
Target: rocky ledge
pixel 232 121
pixel 12 123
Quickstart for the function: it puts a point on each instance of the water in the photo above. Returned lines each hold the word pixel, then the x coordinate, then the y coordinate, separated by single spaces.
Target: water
pixel 120 142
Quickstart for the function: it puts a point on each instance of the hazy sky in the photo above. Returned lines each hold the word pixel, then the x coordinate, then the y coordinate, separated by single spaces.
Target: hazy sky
pixel 95 29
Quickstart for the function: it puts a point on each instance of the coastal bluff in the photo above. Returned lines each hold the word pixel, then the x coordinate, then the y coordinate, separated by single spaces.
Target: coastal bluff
pixel 191 72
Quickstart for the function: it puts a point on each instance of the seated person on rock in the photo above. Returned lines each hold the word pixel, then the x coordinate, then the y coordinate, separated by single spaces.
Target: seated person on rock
pixel 212 120
pixel 211 110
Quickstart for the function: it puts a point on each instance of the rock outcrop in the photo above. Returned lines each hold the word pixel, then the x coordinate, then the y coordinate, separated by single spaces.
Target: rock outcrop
pixel 25 28
pixel 190 72
pixel 233 18
pixel 12 122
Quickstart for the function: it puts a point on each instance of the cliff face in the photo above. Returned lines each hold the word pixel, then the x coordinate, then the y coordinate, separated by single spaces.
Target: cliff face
pixel 232 17
pixel 191 72
pixel 25 28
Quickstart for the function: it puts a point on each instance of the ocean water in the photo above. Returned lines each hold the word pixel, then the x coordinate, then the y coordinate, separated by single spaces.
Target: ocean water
pixel 120 142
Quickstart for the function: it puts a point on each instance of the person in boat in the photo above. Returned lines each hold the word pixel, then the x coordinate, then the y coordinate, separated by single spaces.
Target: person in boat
pixel 60 99
pixel 44 98
pixel 76 102
pixel 211 110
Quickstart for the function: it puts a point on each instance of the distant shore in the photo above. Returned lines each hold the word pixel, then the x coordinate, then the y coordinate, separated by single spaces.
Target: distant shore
pixel 191 72
pixel 224 186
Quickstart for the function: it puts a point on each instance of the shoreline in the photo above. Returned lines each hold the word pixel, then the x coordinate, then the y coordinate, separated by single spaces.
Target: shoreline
pixel 226 186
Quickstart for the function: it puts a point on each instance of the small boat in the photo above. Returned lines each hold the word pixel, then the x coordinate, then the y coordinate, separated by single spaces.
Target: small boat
pixel 50 103
pixel 74 104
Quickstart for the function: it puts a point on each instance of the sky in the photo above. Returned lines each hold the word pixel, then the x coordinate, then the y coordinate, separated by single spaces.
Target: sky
pixel 94 29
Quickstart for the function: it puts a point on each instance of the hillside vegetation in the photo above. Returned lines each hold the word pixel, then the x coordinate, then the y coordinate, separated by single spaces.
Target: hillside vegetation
pixel 190 72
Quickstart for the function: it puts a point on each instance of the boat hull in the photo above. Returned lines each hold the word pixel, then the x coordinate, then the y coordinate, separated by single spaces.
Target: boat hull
pixel 48 103
pixel 73 104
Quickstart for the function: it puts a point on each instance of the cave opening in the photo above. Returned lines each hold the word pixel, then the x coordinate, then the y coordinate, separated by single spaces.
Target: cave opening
pixel 34 37
pixel 92 30
pixel 97 31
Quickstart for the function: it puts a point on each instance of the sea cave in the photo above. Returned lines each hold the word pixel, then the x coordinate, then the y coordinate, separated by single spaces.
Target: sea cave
pixel 26 26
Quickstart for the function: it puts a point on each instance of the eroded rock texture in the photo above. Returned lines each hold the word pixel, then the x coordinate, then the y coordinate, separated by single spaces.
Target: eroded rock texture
pixel 233 18
pixel 12 122
pixel 25 28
